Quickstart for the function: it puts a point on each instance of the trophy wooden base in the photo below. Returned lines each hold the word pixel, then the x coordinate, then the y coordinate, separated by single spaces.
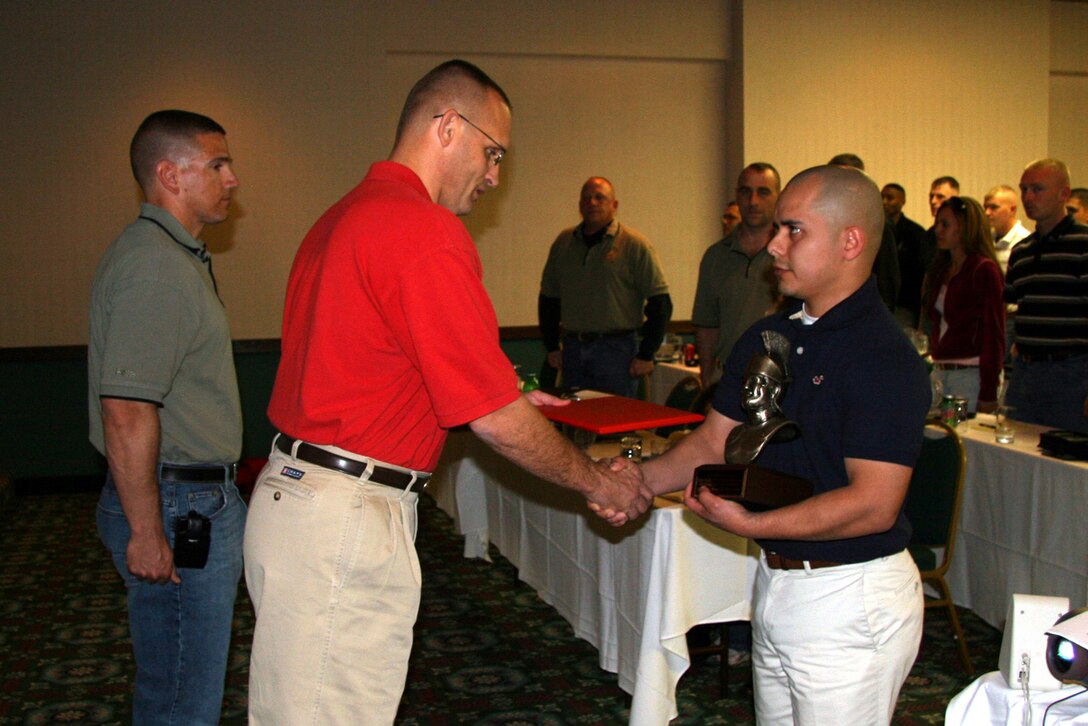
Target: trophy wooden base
pixel 754 487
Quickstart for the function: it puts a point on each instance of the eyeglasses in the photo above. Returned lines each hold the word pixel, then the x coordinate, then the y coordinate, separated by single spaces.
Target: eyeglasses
pixel 496 153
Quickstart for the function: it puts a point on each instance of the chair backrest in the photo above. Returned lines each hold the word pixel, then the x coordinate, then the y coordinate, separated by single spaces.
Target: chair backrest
pixel 684 393
pixel 682 396
pixel 705 399
pixel 936 488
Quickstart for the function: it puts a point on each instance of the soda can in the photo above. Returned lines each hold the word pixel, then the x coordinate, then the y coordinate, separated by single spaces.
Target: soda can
pixel 949 410
pixel 689 354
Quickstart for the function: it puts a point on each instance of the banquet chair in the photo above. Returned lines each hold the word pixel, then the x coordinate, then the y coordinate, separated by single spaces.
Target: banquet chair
pixel 682 396
pixel 720 648
pixel 705 399
pixel 933 508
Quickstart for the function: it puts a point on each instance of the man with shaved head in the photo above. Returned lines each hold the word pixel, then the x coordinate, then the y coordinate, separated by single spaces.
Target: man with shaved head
pixel 604 285
pixel 389 340
pixel 1000 205
pixel 837 608
pixel 1048 280
pixel 736 286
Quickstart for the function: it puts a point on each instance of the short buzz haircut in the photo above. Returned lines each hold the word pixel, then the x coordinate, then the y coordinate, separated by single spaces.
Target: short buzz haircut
pixel 897 187
pixel 761 167
pixel 1080 193
pixel 1055 165
pixel 439 80
pixel 1000 189
pixel 847 159
pixel 949 180
pixel 851 197
pixel 165 134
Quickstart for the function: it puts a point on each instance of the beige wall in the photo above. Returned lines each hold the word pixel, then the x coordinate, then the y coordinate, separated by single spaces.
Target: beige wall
pixel 1069 88
pixel 309 95
pixel 647 93
pixel 918 89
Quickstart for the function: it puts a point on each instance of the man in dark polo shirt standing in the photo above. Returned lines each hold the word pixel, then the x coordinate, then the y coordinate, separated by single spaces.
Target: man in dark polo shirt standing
pixel 1048 279
pixel 837 608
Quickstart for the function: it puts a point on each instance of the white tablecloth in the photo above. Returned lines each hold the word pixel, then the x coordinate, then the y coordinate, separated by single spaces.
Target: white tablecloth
pixel 664 378
pixel 633 592
pixel 1022 528
pixel 990 702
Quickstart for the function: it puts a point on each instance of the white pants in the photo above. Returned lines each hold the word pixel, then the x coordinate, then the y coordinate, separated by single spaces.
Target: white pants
pixel 834 645
pixel 332 570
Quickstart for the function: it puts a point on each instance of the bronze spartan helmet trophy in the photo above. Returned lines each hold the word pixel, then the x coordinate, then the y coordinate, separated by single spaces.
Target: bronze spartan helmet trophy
pixel 765 382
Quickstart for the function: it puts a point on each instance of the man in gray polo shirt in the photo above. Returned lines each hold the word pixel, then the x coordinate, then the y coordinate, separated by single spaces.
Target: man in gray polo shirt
pixel 736 284
pixel 165 412
pixel 595 282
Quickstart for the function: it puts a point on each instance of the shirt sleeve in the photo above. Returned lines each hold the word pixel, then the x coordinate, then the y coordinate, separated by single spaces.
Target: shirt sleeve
pixel 705 312
pixel 991 328
pixel 451 331
pixel 147 334
pixel 650 276
pixel 550 283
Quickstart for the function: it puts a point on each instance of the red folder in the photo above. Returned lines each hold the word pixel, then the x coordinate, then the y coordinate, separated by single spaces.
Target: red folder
pixel 616 414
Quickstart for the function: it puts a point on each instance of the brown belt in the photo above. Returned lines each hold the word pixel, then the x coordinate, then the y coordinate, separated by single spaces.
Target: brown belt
pixel 379 475
pixel 777 562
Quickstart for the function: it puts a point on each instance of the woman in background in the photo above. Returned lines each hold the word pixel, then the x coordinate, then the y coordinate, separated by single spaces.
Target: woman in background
pixel 962 294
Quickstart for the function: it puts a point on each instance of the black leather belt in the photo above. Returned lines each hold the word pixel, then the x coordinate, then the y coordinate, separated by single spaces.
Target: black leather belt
pixel 589 337
pixel 777 562
pixel 379 475
pixel 1050 357
pixel 198 474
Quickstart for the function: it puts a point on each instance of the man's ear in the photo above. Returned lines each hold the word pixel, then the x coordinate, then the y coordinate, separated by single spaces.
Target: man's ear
pixel 446 130
pixel 853 240
pixel 166 174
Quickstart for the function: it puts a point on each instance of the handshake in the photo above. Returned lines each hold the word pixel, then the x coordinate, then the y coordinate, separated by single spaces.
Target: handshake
pixel 621 493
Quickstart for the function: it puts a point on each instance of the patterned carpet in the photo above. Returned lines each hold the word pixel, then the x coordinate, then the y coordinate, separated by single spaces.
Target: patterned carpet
pixel 488 651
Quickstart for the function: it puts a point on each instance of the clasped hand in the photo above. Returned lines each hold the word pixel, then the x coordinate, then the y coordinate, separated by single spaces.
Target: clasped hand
pixel 621 494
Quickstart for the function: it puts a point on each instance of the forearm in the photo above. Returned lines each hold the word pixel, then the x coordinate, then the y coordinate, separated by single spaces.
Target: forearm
pixel 992 353
pixel 549 314
pixel 132 435
pixel 706 445
pixel 832 515
pixel 706 343
pixel 658 313
pixel 869 504
pixel 521 434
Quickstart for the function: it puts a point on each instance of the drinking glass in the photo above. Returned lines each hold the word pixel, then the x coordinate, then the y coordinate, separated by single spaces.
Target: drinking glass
pixel 1004 433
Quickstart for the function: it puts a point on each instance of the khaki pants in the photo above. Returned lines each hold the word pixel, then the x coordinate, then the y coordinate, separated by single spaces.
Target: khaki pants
pixel 332 570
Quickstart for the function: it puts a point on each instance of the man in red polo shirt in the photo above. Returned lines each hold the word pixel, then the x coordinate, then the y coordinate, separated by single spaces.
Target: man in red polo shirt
pixel 389 340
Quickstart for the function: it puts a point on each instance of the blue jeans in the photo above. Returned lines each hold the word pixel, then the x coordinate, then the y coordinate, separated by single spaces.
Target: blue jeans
pixel 1050 393
pixel 181 633
pixel 962 382
pixel 602 365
